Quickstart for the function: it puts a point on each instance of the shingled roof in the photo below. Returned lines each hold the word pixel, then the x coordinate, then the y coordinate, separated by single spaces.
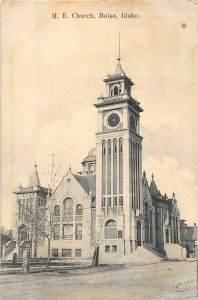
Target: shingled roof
pixel 88 182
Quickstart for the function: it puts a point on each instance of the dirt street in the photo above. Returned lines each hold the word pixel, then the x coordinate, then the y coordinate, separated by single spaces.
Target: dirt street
pixel 165 280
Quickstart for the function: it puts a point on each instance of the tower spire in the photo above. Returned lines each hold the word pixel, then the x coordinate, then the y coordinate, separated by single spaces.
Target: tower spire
pixel 34 178
pixel 119 70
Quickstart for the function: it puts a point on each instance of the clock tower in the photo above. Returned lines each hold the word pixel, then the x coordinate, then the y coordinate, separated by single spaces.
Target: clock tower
pixel 119 168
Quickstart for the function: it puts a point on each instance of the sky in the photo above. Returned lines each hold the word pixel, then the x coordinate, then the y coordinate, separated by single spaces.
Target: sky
pixel 52 74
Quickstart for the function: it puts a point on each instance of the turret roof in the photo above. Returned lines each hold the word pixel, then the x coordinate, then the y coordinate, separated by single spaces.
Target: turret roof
pixel 153 188
pixel 34 178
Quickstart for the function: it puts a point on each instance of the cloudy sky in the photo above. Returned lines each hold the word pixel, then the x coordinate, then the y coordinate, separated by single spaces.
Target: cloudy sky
pixel 52 75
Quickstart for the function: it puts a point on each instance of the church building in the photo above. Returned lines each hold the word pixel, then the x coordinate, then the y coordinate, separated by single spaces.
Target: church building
pixel 109 204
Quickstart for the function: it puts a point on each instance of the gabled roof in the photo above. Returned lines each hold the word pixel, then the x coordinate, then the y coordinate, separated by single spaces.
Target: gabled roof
pixel 88 182
pixel 4 239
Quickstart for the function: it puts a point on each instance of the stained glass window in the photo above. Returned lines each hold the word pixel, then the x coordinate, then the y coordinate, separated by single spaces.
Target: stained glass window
pixel 68 206
pixel 68 231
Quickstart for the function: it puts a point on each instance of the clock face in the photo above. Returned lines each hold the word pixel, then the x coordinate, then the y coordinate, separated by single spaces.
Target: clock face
pixel 113 120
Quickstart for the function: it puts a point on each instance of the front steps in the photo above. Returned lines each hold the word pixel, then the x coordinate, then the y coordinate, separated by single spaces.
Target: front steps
pixel 140 256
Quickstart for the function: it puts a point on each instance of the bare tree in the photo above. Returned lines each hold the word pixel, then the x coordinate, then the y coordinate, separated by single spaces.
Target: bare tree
pixel 34 215
pixel 96 239
pixel 45 220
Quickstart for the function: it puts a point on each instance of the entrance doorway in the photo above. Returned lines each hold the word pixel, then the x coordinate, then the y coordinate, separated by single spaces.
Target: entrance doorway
pixel 139 233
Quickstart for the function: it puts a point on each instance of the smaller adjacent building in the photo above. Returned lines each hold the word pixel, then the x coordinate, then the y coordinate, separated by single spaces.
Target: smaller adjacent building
pixel 163 213
pixel 28 200
pixel 189 239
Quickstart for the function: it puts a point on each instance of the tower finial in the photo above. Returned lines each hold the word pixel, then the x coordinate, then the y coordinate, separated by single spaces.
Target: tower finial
pixel 152 176
pixel 119 70
pixel 35 165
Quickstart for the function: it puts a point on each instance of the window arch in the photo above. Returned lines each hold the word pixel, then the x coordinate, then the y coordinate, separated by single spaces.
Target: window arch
pixel 57 210
pixel 79 210
pixel 115 91
pixel 68 206
pixel 111 230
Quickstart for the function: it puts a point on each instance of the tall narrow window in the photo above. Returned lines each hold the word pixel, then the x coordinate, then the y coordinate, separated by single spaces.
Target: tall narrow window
pixel 109 168
pixel 167 236
pixel 103 167
pixel 120 203
pixel 151 227
pixel 133 123
pixel 146 221
pixel 120 166
pixel 115 166
pixel 56 231
pixel 79 210
pixel 115 91
pixel 78 231
pixel 115 204
pixel 103 204
pixel 68 210
pixel 57 210
pixel 108 205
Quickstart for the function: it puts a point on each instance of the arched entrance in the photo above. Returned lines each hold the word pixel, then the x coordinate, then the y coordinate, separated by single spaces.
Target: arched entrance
pixel 139 228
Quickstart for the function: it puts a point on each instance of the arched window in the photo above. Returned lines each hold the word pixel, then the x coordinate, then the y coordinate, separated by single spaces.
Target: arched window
pixel 146 229
pixel 115 91
pixel 151 227
pixel 57 210
pixel 167 235
pixel 22 233
pixel 110 230
pixel 146 222
pixel 68 206
pixel 145 209
pixel 79 210
pixel 139 233
pixel 133 123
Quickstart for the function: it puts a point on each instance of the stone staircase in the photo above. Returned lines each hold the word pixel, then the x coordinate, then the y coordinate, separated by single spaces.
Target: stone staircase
pixel 142 256
pixel 8 250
